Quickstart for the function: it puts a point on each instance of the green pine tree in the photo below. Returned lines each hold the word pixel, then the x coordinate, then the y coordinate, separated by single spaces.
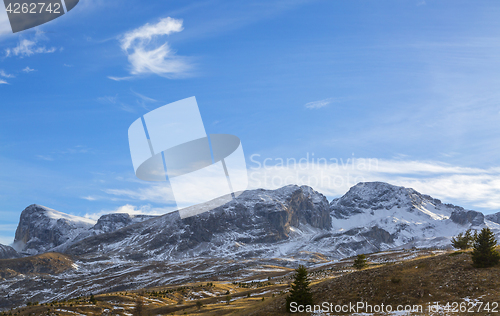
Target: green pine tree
pixel 484 254
pixel 139 305
pixel 360 262
pixel 300 292
pixel 464 241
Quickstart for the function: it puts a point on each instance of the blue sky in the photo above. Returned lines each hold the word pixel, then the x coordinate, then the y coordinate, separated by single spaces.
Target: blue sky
pixel 412 84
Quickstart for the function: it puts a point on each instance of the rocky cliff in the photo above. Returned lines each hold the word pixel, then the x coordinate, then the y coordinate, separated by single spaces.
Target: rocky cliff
pixel 7 252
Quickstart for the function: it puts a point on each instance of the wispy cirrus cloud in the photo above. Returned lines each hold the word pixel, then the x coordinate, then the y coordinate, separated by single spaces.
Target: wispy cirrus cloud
pixel 5 75
pixel 319 104
pixel 149 54
pixel 468 187
pixel 119 78
pixel 45 157
pixel 28 70
pixel 143 97
pixel 155 193
pixel 4 24
pixel 131 210
pixel 29 47
pixel 3 82
pixel 114 101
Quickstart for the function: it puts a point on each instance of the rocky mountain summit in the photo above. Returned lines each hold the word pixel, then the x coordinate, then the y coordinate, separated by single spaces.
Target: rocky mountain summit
pixel 248 226
pixel 493 217
pixel 289 221
pixel 384 216
pixel 42 229
pixel 7 252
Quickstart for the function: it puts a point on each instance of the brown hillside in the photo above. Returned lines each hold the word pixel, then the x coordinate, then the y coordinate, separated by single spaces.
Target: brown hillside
pixel 444 278
pixel 49 263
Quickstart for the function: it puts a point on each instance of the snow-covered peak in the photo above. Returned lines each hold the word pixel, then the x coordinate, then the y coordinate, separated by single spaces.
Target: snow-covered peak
pixel 41 228
pixel 373 197
pixel 55 215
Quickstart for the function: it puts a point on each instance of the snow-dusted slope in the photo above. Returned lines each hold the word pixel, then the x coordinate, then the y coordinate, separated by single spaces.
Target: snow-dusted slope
pixel 379 216
pixel 287 222
pixel 257 223
pixel 7 252
pixel 43 229
pixel 494 217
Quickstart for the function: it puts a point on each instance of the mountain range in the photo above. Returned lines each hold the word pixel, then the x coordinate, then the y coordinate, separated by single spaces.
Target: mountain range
pixel 370 217
pixel 260 228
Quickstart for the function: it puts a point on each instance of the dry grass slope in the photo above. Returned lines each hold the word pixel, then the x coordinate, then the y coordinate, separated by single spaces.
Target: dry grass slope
pixel 447 277
pixel 49 263
pixel 443 278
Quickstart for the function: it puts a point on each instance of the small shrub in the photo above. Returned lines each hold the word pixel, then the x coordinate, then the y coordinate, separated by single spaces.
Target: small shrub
pixel 360 262
pixel 396 280
pixel 199 304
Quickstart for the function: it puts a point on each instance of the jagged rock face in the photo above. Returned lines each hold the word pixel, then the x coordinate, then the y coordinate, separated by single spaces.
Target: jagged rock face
pixel 370 217
pixel 7 252
pixel 255 217
pixel 375 216
pixel 111 222
pixel 41 229
pixel 464 217
pixel 494 217
pixel 374 196
pixel 272 213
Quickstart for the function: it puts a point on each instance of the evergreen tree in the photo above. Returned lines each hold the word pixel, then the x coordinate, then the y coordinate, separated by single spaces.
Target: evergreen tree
pixel 360 262
pixel 300 292
pixel 464 241
pixel 484 254
pixel 138 306
pixel 199 304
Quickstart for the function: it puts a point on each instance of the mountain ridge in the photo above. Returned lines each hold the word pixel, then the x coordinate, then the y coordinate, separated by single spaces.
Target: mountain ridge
pixel 371 216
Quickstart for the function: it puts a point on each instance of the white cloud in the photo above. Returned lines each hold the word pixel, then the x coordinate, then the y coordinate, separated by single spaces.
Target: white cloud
pixel 5 75
pixel 27 48
pixel 4 23
pixel 46 158
pixel 143 97
pixel 119 78
pixel 132 210
pixel 108 99
pixel 319 104
pixel 155 193
pixel 148 56
pixel 7 228
pixel 3 82
pixel 473 188
pixel 7 240
pixel 469 187
pixel 117 103
pixel 28 69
